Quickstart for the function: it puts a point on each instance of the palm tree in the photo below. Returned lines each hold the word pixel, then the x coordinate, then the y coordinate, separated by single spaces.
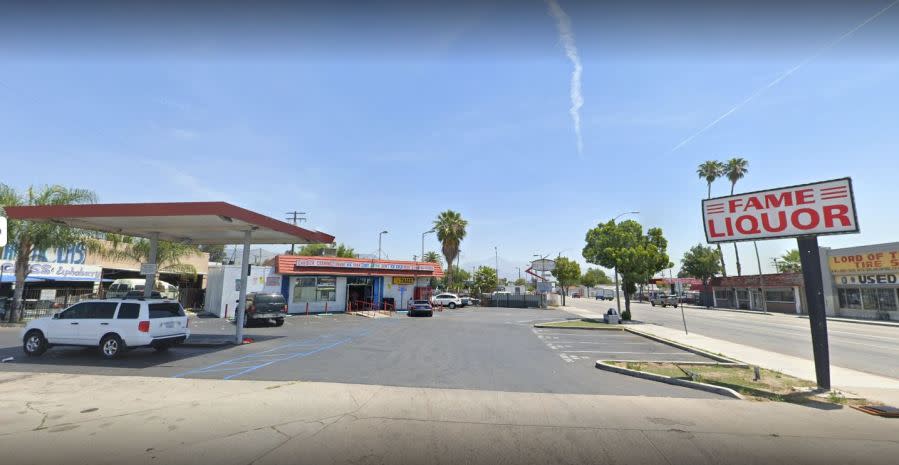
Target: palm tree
pixel 168 254
pixel 450 229
pixel 28 236
pixel 432 257
pixel 710 171
pixel 735 169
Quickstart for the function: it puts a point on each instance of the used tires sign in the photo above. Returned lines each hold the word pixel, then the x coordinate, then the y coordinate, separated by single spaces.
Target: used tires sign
pixel 826 207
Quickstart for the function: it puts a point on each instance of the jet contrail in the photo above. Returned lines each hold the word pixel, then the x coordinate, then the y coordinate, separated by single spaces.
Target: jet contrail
pixel 783 76
pixel 567 37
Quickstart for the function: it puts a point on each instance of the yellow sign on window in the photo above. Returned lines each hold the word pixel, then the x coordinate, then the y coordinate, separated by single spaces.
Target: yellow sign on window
pixel 879 261
pixel 403 280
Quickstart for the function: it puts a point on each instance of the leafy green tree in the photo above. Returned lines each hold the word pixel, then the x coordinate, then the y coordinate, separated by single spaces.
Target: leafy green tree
pixel 318 250
pixel 735 169
pixel 791 262
pixel 520 282
pixel 216 252
pixel 702 263
pixel 458 279
pixel 485 279
pixel 710 171
pixel 450 229
pixel 567 272
pixel 28 236
pixel 637 256
pixel 594 277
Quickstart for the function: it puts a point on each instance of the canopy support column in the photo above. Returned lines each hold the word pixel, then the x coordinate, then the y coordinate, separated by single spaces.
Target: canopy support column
pixel 242 300
pixel 150 283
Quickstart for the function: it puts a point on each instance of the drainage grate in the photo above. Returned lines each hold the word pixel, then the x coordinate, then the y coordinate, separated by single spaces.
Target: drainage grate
pixel 879 410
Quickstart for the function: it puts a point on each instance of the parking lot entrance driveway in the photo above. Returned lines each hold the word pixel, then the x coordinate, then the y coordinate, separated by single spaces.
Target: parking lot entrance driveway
pixel 472 348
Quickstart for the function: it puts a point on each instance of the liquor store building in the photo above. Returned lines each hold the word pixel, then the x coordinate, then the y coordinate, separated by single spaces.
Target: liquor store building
pixel 333 284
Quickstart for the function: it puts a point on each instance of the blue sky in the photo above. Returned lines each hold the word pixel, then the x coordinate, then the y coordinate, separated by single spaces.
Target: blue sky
pixel 373 123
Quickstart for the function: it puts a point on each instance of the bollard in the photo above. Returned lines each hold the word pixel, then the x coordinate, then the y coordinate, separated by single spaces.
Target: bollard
pixel 307 308
pixel 757 374
pixel 326 307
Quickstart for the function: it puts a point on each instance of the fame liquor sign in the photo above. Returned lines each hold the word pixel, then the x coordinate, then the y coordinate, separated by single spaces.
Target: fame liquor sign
pixel 826 207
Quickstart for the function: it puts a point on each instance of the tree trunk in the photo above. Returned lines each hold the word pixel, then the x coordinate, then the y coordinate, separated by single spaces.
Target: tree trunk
pixel 564 293
pixel 22 257
pixel 721 256
pixel 627 298
pixel 737 253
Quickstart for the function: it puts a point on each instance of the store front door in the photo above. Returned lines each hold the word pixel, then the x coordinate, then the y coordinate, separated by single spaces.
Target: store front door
pixel 359 293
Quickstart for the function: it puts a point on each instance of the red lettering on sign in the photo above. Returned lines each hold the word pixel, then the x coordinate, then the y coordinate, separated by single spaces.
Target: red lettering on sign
pixel 753 202
pixel 776 200
pixel 805 196
pixel 735 204
pixel 813 219
pixel 781 216
pixel 754 225
pixel 712 231
pixel 836 212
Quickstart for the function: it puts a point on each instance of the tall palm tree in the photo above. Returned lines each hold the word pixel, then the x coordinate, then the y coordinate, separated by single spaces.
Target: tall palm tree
pixel 450 229
pixel 28 236
pixel 710 171
pixel 735 169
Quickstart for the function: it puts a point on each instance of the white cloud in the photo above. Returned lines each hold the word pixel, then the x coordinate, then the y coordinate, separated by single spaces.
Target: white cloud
pixel 566 35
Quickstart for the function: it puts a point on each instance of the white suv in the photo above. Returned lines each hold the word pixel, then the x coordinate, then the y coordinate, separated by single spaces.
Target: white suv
pixel 447 300
pixel 113 325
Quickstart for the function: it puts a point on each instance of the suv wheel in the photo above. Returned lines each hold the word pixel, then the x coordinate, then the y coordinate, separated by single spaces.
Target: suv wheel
pixel 452 305
pixel 34 343
pixel 279 322
pixel 111 346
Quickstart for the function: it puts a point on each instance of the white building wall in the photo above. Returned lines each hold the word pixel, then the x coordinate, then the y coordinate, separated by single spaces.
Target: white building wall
pixel 338 305
pixel 402 293
pixel 222 288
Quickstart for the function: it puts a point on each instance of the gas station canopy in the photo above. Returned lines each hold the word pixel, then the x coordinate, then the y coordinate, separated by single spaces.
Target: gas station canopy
pixel 186 222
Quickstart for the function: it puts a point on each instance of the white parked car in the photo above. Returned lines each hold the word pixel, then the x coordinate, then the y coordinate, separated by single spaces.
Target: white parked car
pixel 112 325
pixel 447 300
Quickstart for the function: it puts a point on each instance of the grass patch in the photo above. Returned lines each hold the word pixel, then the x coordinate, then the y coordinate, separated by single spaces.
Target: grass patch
pixel 586 324
pixel 771 385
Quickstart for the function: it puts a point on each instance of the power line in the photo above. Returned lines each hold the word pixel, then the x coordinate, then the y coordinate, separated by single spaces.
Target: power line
pixel 295 217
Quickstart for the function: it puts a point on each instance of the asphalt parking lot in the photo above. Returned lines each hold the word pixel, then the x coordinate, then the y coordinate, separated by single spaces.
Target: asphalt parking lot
pixel 575 344
pixel 471 348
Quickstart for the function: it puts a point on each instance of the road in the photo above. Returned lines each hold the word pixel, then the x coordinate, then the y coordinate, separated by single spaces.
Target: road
pixel 868 348
pixel 484 349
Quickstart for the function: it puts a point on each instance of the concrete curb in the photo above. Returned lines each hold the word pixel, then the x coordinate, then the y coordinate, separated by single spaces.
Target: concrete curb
pixel 732 310
pixel 12 325
pixel 723 391
pixel 703 353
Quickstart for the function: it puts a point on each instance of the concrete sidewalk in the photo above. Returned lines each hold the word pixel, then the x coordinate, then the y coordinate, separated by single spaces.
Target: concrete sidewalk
pixel 52 418
pixel 851 381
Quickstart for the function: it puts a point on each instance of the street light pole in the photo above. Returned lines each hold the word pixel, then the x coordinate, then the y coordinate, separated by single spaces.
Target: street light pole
pixel 379 243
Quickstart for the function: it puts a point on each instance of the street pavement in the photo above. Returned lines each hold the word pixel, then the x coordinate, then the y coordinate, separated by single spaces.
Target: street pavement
pixel 98 420
pixel 866 348
pixel 484 348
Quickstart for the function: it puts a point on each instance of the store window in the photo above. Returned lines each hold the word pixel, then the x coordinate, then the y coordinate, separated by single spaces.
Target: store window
pixel 315 289
pixel 850 298
pixel 722 294
pixel 879 299
pixel 780 295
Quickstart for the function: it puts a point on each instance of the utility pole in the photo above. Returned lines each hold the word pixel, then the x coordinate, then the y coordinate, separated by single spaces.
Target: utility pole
pixel 294 218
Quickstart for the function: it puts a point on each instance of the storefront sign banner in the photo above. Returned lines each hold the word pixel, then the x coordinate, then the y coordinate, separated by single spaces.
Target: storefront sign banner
pixel 869 279
pixel 403 280
pixel 885 260
pixel 52 272
pixel 826 207
pixel 324 263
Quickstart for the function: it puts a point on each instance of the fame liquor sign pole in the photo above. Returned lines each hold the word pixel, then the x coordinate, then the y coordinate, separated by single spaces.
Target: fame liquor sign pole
pixel 804 212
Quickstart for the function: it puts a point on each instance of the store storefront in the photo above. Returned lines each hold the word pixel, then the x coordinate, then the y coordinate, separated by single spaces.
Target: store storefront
pixel 330 284
pixel 783 292
pixel 864 281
